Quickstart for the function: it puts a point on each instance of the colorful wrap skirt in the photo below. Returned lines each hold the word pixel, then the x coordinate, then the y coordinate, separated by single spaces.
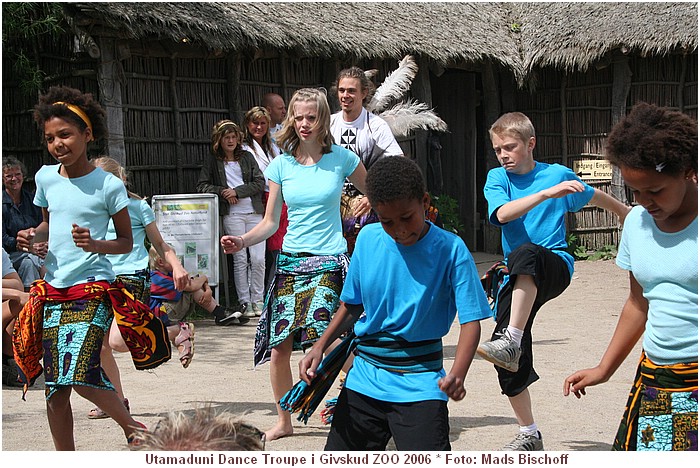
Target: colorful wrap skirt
pixel 66 327
pixel 662 409
pixel 300 301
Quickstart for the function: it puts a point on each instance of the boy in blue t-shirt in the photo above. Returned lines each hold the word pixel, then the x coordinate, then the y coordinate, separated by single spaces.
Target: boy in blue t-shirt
pixel 529 200
pixel 406 283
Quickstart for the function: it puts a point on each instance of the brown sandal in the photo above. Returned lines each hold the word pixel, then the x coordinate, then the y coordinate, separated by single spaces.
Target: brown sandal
pixel 185 343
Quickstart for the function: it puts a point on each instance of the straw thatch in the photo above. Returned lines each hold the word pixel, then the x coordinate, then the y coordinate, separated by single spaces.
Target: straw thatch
pixel 519 36
pixel 573 35
pixel 364 30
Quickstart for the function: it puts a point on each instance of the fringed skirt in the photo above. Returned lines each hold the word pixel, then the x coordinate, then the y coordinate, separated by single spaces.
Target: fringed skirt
pixel 662 409
pixel 300 302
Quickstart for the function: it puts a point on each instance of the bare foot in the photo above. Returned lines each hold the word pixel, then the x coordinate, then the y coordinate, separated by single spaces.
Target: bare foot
pixel 278 431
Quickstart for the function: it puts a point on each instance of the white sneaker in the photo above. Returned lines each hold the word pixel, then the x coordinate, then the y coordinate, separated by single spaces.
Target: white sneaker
pixel 249 311
pixel 526 443
pixel 258 308
pixel 503 352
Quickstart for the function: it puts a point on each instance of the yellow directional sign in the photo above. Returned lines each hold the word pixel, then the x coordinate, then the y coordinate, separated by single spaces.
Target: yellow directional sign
pixel 593 169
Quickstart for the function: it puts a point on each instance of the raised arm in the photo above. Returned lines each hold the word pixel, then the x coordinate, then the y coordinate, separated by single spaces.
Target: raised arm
pixel 628 331
pixel 610 203
pixel 516 208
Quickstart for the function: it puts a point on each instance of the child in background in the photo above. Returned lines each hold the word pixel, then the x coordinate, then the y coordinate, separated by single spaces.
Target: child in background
pixel 68 309
pixel 529 201
pixel 410 279
pixel 176 304
pixel 656 150
pixel 132 270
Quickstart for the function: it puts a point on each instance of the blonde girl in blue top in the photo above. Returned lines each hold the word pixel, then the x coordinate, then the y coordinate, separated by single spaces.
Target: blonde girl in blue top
pixel 78 201
pixel 305 292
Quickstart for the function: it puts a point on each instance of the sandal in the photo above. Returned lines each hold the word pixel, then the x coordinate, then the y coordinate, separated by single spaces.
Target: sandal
pixel 97 413
pixel 185 343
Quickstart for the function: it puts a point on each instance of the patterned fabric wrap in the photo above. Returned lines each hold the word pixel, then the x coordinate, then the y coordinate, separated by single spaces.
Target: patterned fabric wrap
pixel 304 398
pixel 351 223
pixel 662 409
pixel 492 281
pixel 300 301
pixel 139 284
pixel 395 354
pixel 66 326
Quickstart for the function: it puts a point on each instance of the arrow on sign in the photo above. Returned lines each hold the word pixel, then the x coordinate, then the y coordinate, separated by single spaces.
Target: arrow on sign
pixel 581 174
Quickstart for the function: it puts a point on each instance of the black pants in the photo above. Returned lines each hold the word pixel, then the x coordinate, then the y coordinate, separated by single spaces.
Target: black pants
pixel 552 277
pixel 363 423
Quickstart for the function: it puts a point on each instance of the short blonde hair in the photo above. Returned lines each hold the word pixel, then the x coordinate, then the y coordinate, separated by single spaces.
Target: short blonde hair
pixel 153 258
pixel 204 430
pixel 514 124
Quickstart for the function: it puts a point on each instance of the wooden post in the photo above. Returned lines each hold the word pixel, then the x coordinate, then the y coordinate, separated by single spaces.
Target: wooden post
pixel 177 126
pixel 622 82
pixel 422 92
pixel 110 87
pixel 233 75
pixel 492 110
pixel 564 122
pixel 681 83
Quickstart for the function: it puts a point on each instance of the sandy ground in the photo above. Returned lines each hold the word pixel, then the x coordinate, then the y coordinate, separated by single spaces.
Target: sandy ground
pixel 570 332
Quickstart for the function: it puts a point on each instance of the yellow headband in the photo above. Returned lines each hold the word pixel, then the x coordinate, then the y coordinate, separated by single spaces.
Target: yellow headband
pixel 77 111
pixel 218 129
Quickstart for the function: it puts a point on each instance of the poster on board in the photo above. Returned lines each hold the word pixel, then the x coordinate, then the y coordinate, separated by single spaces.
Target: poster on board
pixel 189 222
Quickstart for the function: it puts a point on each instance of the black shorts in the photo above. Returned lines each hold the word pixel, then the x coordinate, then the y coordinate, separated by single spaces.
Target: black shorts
pixel 552 277
pixel 363 423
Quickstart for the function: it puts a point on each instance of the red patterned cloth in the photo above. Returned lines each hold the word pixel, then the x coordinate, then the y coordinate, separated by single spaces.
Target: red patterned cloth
pixel 144 334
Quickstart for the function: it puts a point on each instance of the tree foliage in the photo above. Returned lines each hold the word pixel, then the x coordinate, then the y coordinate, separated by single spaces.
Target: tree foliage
pixel 24 24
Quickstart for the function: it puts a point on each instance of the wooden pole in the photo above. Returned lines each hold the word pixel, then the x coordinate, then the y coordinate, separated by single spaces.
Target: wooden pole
pixel 622 82
pixel 110 87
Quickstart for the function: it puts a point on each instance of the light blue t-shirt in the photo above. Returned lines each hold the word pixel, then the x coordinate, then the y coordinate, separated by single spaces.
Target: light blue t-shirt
pixel 88 201
pixel 545 224
pixel 665 264
pixel 312 194
pixel 141 215
pixel 413 292
pixel 7 267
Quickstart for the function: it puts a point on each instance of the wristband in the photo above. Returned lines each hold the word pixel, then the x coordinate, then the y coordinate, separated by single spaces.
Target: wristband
pixel 242 242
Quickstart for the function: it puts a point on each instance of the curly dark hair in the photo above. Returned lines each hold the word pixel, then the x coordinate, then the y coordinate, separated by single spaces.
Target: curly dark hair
pixel 394 178
pixel 653 137
pixel 46 109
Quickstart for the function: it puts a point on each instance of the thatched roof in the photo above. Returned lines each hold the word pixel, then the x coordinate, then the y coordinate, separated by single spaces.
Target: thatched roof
pixel 519 36
pixel 575 35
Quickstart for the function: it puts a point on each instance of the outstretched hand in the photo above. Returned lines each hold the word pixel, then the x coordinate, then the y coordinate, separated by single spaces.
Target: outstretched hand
pixel 231 244
pixel 577 382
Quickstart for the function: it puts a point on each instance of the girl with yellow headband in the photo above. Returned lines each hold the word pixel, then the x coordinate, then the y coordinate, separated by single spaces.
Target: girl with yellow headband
pixel 68 312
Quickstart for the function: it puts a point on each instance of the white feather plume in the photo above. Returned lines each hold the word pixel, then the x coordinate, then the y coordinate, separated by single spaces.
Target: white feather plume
pixel 411 115
pixel 395 85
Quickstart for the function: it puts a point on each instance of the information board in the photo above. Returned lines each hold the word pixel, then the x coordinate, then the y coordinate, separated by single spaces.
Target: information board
pixel 593 169
pixel 189 222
